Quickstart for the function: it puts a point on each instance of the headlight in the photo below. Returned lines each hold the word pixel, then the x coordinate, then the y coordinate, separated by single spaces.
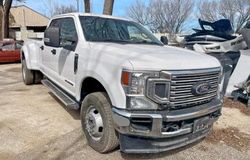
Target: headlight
pixel 134 85
pixel 140 103
pixel 135 82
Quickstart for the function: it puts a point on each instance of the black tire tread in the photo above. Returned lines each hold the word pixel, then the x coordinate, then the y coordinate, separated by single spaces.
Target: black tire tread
pixel 29 74
pixel 111 140
pixel 38 76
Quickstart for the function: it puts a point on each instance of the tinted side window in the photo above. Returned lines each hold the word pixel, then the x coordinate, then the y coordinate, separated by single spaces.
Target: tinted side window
pixel 68 34
pixel 8 47
pixel 55 23
pixel 137 35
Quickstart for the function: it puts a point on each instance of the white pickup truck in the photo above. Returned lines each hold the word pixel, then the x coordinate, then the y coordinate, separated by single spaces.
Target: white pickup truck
pixel 131 89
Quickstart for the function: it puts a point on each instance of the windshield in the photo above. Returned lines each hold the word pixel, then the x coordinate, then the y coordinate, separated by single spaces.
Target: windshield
pixel 113 30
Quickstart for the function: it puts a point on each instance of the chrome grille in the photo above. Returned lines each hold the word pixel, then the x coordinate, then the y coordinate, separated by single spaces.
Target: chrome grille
pixel 181 87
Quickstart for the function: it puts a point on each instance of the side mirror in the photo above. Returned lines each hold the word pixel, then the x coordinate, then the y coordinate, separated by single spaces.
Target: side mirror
pixel 69 42
pixel 52 37
pixel 164 40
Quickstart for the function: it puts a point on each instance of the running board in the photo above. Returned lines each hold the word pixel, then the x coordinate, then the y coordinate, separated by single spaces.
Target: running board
pixel 64 98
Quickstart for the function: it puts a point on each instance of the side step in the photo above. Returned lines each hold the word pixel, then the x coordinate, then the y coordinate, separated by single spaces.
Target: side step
pixel 66 100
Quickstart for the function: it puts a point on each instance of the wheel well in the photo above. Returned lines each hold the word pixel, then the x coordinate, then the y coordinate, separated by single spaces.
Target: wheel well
pixel 22 56
pixel 90 85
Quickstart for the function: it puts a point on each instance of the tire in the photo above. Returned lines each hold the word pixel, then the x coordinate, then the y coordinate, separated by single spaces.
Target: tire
pixel 248 103
pixel 28 75
pixel 97 105
pixel 38 76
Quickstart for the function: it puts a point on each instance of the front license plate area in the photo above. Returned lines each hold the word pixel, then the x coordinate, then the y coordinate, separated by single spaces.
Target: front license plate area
pixel 202 124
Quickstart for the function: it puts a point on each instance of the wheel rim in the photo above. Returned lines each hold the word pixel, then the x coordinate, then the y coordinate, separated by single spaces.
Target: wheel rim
pixel 94 123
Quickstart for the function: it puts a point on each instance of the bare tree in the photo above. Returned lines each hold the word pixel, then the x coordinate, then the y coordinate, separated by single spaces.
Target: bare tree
pixel 53 7
pixel 87 6
pixel 161 15
pixel 139 12
pixel 208 10
pixel 243 9
pixel 108 7
pixel 1 18
pixel 237 11
pixel 5 6
pixel 49 6
pixel 61 9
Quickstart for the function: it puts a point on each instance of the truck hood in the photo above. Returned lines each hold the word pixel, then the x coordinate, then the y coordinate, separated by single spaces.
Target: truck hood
pixel 153 57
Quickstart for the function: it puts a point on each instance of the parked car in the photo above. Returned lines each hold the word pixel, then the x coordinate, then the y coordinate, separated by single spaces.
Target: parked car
pixel 131 89
pixel 10 51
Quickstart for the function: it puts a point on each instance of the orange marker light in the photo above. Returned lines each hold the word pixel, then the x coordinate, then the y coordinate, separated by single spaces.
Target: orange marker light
pixel 125 78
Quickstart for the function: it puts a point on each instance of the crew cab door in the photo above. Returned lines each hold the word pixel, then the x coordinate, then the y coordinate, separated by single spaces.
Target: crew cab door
pixel 48 54
pixel 59 62
pixel 67 57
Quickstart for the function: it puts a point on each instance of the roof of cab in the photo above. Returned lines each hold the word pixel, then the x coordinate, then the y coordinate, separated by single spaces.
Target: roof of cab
pixel 89 14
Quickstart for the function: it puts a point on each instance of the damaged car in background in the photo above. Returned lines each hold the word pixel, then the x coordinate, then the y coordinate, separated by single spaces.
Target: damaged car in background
pixel 232 50
pixel 215 36
pixel 239 82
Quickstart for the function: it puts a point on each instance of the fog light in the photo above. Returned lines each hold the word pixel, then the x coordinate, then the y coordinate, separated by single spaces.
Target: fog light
pixel 140 102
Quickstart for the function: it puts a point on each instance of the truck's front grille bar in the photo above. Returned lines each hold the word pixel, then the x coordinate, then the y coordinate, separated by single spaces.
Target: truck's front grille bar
pixel 182 84
pixel 181 95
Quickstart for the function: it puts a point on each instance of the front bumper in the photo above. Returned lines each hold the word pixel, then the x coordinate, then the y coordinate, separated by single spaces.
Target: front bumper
pixel 144 131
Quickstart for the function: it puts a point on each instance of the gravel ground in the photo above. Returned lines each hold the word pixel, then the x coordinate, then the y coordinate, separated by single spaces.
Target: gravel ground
pixel 35 125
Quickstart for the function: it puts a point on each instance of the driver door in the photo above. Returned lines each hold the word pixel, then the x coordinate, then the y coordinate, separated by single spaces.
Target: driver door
pixel 58 62
pixel 66 54
pixel 49 56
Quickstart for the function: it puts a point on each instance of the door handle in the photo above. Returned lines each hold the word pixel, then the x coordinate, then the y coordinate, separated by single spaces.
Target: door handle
pixel 76 63
pixel 53 51
pixel 42 47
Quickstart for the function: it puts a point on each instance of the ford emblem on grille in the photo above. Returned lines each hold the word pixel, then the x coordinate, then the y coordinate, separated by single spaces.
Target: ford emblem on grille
pixel 201 88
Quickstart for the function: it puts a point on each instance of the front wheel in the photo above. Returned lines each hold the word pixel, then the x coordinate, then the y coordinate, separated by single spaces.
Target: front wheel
pixel 97 122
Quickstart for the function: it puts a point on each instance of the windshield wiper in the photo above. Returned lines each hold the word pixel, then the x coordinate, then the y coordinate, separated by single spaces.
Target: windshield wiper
pixel 127 42
pixel 148 42
pixel 113 40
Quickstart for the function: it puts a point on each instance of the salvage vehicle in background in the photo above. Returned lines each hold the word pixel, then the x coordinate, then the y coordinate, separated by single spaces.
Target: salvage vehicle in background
pixel 131 89
pixel 216 37
pixel 233 51
pixel 10 51
pixel 239 82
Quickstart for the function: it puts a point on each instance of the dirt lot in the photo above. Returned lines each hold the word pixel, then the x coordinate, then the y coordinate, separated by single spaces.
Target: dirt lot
pixel 34 125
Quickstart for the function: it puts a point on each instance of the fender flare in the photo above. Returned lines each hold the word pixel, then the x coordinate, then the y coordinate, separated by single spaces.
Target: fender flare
pixel 25 51
pixel 103 83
